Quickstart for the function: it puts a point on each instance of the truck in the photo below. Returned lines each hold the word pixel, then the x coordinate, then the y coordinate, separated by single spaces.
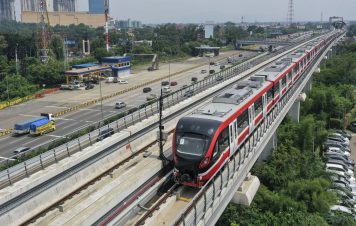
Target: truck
pixel 41 127
pixel 24 127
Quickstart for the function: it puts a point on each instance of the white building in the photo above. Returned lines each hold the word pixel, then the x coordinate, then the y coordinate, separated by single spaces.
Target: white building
pixel 209 29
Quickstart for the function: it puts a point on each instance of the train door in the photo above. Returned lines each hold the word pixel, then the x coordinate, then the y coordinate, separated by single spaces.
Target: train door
pixel 264 102
pixel 233 136
pixel 251 115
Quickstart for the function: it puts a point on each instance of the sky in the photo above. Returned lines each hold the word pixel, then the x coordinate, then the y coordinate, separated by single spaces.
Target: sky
pixel 199 11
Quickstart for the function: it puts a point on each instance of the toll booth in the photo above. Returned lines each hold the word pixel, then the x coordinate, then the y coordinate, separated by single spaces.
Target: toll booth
pixel 120 65
pixel 200 51
pixel 86 72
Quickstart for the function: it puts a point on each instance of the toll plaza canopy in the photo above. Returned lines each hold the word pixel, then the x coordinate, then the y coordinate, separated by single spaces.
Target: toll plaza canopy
pixel 85 72
pixel 199 51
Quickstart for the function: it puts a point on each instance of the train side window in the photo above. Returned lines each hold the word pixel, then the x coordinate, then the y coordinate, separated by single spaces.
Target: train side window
pixel 242 121
pixel 270 95
pixel 223 139
pixel 276 88
pixel 235 128
pixel 258 106
pixel 284 81
pixel 289 76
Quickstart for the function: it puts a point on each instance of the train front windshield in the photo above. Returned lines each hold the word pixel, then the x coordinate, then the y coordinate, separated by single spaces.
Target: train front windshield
pixel 192 144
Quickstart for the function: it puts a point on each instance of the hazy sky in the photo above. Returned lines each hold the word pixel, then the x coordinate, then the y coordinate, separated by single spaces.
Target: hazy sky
pixel 198 11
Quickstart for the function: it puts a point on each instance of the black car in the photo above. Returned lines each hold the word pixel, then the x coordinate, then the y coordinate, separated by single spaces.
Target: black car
pixel 194 79
pixel 189 93
pixel 219 78
pixel 165 83
pixel 222 67
pixel 147 89
pixel 105 133
pixel 211 71
pixel 89 86
pixel 352 126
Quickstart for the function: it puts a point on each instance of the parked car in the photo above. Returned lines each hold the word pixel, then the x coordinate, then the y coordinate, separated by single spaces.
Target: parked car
pixel 340 162
pixel 344 133
pixel 21 151
pixel 222 67
pixel 212 63
pixel 341 158
pixel 240 55
pixel 340 208
pixel 352 126
pixel 203 71
pixel 147 89
pixel 165 83
pixel 337 135
pixel 211 71
pixel 194 79
pixel 151 97
pixel 89 86
pixel 109 79
pixel 340 140
pixel 219 78
pixel 105 133
pixel 336 151
pixel 120 105
pixel 174 83
pixel 122 82
pixel 189 93
pixel 335 143
pixel 340 168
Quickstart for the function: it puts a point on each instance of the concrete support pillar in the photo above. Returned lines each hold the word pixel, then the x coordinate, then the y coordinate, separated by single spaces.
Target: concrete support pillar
pixel 267 151
pixel 308 87
pixel 294 111
pixel 247 191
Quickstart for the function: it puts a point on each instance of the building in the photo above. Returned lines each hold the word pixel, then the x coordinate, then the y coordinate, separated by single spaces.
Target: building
pixel 7 10
pixel 97 6
pixel 65 18
pixel 34 5
pixel 209 29
pixel 64 5
pixel 125 24
pixel 120 66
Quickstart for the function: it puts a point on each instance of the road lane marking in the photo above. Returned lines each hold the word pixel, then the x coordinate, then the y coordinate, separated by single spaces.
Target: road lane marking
pixel 29 115
pixel 52 106
pixel 54 136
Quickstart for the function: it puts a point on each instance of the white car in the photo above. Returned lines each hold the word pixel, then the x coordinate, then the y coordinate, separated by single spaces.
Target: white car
pixel 341 136
pixel 340 168
pixel 336 151
pixel 123 82
pixel 341 209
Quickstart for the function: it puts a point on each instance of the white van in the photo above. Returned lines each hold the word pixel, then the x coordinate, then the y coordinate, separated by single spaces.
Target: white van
pixel 109 79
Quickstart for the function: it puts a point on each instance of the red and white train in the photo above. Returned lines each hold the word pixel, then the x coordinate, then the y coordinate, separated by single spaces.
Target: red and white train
pixel 205 140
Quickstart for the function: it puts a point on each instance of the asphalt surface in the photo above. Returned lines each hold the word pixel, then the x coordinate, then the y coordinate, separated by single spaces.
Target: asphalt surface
pixel 83 117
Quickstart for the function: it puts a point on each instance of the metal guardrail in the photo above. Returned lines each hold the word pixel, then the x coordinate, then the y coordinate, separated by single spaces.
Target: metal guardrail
pixel 231 175
pixel 30 166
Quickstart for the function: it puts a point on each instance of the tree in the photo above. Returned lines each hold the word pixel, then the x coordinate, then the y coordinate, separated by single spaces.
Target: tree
pixel 3 43
pixel 57 47
pixel 100 53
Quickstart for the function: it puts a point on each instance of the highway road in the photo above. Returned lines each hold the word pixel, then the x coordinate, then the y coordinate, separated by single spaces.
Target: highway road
pixel 83 117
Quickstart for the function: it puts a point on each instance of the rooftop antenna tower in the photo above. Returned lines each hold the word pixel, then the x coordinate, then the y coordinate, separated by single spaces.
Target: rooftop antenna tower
pixel 107 24
pixel 290 14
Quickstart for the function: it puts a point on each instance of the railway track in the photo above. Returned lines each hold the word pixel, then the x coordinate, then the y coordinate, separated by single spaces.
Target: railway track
pixel 99 178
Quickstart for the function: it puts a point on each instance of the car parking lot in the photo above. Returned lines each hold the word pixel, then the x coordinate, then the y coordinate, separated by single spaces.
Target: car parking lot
pixel 340 157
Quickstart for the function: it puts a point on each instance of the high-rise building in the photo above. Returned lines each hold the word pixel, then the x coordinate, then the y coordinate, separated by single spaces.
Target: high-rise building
pixel 209 29
pixel 7 10
pixel 64 5
pixel 97 6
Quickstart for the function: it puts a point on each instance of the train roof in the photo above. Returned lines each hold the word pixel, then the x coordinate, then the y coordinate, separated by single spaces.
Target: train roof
pixel 229 101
